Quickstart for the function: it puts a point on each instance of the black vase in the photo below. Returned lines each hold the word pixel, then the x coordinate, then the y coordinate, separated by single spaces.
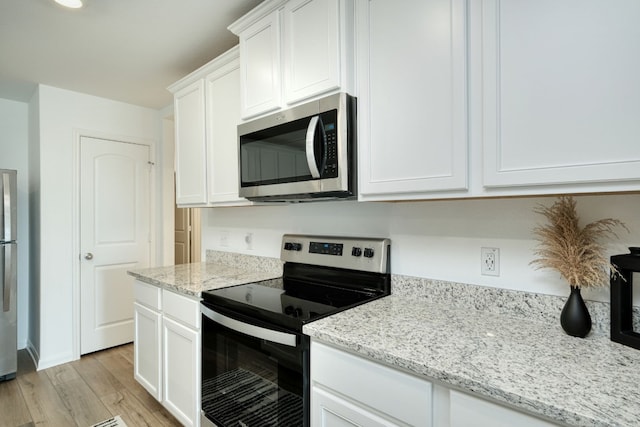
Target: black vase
pixel 575 318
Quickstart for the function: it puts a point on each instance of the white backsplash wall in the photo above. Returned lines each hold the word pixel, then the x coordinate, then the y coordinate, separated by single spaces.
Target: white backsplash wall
pixel 437 239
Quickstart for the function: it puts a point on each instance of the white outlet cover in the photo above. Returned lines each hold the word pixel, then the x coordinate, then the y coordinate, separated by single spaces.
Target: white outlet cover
pixel 224 238
pixel 490 261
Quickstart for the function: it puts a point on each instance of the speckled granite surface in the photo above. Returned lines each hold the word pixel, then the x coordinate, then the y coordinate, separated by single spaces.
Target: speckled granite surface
pixel 538 307
pixel 220 271
pixel 527 363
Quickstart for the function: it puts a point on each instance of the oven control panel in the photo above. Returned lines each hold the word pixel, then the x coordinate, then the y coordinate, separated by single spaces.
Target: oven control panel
pixel 325 248
pixel 366 254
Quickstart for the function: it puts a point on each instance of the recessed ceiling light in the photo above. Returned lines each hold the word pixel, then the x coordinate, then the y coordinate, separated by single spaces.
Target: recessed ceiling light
pixel 73 4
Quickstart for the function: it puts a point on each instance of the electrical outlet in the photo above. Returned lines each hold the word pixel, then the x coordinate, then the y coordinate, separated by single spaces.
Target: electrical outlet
pixel 490 261
pixel 224 238
pixel 248 241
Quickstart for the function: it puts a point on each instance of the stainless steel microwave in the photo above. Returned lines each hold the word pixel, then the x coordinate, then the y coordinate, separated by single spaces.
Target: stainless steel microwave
pixel 305 153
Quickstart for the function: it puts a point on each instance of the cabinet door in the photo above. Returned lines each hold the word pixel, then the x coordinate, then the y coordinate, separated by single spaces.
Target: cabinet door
pixel 223 116
pixel 413 100
pixel 191 173
pixel 470 411
pixel 393 394
pixel 561 94
pixel 311 48
pixel 181 372
pixel 260 72
pixel 330 410
pixel 147 349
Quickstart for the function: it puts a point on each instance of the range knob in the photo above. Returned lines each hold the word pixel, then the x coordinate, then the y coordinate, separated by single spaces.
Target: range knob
pixel 355 251
pixel 288 246
pixel 368 252
pixel 293 311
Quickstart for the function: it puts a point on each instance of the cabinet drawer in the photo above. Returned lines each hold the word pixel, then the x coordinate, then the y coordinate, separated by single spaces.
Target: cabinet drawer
pixel 182 308
pixel 149 295
pixel 467 410
pixel 402 396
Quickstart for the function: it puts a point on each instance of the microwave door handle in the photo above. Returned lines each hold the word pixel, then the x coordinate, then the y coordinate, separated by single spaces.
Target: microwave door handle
pixel 311 157
pixel 249 329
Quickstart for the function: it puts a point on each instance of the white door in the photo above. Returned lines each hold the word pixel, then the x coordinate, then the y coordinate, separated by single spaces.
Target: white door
pixel 114 237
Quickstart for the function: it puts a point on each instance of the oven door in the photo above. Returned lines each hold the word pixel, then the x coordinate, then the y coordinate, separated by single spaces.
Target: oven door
pixel 253 375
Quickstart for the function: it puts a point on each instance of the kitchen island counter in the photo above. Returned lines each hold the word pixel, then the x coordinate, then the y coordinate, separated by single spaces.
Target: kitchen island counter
pixel 528 365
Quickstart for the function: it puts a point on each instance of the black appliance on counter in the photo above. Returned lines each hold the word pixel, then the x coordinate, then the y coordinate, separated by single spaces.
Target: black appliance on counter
pixel 622 298
pixel 255 358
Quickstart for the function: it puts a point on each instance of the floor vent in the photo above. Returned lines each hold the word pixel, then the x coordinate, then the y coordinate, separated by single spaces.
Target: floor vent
pixel 111 422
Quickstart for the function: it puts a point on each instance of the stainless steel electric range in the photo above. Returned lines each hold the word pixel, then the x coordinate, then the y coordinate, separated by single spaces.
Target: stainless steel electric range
pixel 255 358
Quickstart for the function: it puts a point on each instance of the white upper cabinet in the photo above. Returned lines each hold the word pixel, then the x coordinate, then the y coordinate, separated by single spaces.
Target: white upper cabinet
pixel 311 48
pixel 293 51
pixel 191 168
pixel 207 113
pixel 260 66
pixel 560 94
pixel 223 116
pixel 412 107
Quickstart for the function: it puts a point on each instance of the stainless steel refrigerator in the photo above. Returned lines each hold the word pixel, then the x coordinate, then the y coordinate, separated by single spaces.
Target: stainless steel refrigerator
pixel 8 275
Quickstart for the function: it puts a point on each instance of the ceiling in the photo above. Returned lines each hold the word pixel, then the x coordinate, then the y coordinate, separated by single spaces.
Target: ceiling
pixel 126 50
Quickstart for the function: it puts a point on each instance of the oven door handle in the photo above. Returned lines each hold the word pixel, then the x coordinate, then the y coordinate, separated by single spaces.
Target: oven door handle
pixel 251 330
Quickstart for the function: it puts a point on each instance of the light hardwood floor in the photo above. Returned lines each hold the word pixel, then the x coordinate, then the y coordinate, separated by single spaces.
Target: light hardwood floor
pixel 81 393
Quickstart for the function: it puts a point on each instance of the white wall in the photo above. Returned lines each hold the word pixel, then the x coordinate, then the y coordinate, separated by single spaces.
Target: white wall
pixel 62 114
pixel 437 239
pixel 33 340
pixel 168 186
pixel 14 139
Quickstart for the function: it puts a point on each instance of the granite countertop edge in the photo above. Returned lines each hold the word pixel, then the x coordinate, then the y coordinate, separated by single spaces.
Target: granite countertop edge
pixel 527 365
pixel 194 278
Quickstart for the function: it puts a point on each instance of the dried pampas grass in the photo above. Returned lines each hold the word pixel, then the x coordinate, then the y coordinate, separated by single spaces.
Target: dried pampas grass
pixel 576 253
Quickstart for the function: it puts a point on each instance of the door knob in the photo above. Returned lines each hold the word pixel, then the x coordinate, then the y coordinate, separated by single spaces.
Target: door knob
pixel 88 256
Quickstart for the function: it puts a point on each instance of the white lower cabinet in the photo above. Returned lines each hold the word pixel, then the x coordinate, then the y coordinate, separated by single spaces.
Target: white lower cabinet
pixel 331 410
pixel 147 348
pixel 466 410
pixel 348 390
pixel 181 371
pixel 167 350
pixel 147 337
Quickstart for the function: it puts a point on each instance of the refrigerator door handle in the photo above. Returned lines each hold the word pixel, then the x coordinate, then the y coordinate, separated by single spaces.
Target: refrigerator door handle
pixel 5 272
pixel 5 217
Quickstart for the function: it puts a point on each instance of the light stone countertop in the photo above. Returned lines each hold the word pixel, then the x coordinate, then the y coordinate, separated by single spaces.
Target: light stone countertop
pixel 221 270
pixel 527 364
